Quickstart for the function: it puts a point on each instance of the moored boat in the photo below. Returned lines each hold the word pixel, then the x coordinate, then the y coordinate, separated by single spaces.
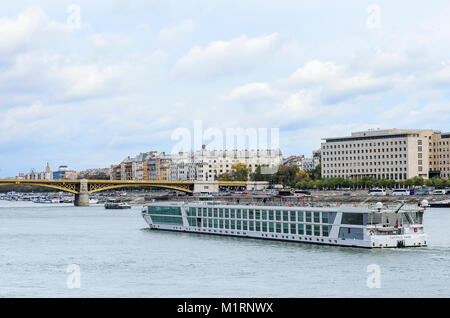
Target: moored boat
pixel 117 205
pixel 440 204
pixel 370 227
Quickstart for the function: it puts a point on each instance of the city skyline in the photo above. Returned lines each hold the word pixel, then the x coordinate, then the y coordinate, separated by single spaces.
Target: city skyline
pixel 78 89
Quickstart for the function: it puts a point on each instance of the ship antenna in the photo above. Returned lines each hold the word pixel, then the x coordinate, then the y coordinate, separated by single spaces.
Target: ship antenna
pixel 402 203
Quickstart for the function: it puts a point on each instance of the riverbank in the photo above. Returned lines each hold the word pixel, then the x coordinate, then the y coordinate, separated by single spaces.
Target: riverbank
pixel 316 197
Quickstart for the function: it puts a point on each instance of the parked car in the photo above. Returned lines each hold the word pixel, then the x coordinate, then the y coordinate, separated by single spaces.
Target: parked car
pixel 422 192
pixel 439 192
pixel 302 193
pixel 284 193
pixel 377 192
pixel 401 192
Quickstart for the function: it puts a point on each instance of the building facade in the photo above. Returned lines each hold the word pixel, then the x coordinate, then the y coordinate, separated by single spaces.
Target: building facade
pixel 294 160
pixel 439 156
pixel 201 165
pixel 395 154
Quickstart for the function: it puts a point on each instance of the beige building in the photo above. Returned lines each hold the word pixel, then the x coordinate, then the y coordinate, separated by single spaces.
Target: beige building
pixel 201 165
pixel 439 156
pixel 395 154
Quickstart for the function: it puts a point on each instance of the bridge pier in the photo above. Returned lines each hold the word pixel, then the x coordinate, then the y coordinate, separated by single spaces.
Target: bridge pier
pixel 82 198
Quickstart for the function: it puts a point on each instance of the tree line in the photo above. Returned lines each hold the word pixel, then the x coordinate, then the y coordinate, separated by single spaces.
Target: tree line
pixel 292 176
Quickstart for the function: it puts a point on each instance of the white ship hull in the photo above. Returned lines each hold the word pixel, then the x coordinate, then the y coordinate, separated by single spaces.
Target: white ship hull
pixel 411 236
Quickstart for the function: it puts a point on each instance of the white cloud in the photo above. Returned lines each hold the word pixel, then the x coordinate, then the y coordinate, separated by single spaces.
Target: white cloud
pixel 25 30
pixel 301 104
pixel 175 33
pixel 335 83
pixel 228 57
pixel 62 77
pixel 108 40
pixel 315 72
pixel 252 92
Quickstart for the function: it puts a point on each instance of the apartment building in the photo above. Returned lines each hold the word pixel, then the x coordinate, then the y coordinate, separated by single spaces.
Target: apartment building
pixel 201 165
pixel 394 154
pixel 439 156
pixel 294 160
pixel 216 162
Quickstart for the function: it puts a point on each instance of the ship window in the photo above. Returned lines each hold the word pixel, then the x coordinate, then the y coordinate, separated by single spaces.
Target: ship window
pixel 245 225
pixel 251 215
pixel 238 213
pixel 232 213
pixel 221 224
pixel 271 227
pixel 251 225
pixel 278 215
pixel 227 224
pixel 308 216
pixel 258 226
pixel 285 215
pixel 258 214
pixel 264 214
pixel 278 227
pixel 192 212
pixel 351 233
pixel 164 210
pixel 285 228
pixel 292 216
pixel 233 224
pixel 209 222
pixel 227 213
pixel 316 217
pixel 264 226
pixel 308 229
pixel 300 216
pixel 209 212
pixel 301 229
pixel 353 218
pixel 244 214
pixel 238 225
pixel 324 217
pixel 216 223
pixel 192 221
pixel 317 230
pixel 270 215
pixel 325 230
pixel 215 213
pixel 221 213
pixel 293 229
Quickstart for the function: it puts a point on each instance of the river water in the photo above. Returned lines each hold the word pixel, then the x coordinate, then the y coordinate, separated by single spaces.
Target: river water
pixel 51 250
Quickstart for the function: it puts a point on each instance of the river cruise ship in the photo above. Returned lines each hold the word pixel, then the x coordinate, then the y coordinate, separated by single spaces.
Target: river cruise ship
pixel 353 226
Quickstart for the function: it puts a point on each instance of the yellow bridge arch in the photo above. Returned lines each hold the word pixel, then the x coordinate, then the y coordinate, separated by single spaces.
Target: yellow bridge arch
pixel 73 186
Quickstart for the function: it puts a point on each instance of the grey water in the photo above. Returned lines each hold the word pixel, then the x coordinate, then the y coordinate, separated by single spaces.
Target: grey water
pixel 118 256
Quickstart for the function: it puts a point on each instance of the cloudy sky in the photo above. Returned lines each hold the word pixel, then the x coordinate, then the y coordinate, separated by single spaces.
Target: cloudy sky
pixel 87 83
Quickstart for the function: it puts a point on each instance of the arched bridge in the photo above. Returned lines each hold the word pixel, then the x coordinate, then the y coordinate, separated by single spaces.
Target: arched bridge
pixel 82 188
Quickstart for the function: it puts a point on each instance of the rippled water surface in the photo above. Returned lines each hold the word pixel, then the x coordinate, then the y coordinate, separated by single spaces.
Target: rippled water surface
pixel 119 257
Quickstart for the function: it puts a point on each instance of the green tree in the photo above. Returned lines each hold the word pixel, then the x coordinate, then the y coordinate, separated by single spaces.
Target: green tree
pixel 286 174
pixel 259 176
pixel 240 171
